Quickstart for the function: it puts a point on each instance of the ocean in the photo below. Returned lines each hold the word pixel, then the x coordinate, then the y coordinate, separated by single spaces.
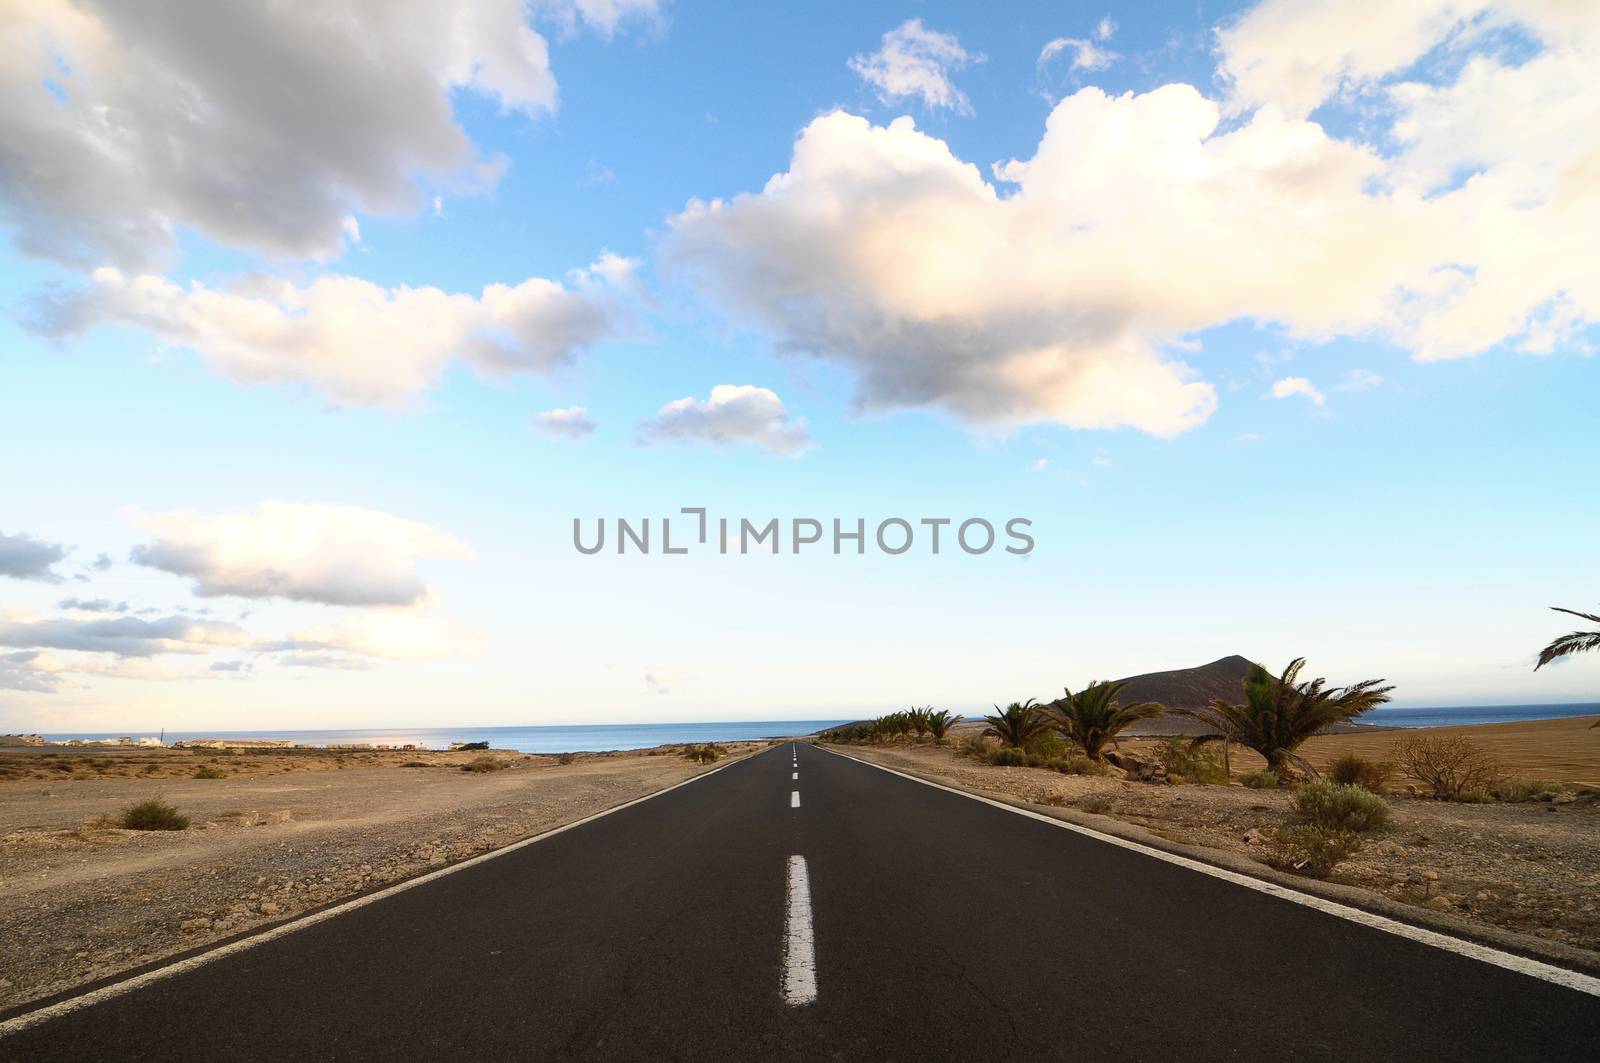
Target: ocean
pixel 599 737
pixel 564 739
pixel 1458 715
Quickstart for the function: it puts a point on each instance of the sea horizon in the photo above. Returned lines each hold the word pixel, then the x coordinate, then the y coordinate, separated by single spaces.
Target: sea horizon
pixel 613 737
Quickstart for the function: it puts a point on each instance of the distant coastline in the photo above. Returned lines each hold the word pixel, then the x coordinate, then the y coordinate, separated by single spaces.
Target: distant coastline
pixel 596 738
pixel 570 738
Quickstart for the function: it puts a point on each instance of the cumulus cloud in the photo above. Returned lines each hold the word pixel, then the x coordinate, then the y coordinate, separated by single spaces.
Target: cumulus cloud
pixel 1290 386
pixel 24 557
pixel 359 342
pixel 261 126
pixel 21 671
pixel 571 422
pixel 1063 290
pixel 335 555
pixel 915 62
pixel 126 636
pixel 733 414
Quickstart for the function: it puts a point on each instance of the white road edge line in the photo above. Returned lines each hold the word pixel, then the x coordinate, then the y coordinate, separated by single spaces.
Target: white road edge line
pixel 22 1022
pixel 1545 972
pixel 794 798
pixel 799 942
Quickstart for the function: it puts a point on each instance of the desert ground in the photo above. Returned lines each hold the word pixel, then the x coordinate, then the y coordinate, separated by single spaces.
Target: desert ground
pixel 1527 868
pixel 279 833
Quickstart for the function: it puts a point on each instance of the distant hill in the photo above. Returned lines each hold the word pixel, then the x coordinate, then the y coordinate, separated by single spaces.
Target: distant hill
pixel 1184 688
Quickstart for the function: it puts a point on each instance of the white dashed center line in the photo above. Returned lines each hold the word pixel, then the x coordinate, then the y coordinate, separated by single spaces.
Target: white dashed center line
pixel 794 775
pixel 794 799
pixel 799 943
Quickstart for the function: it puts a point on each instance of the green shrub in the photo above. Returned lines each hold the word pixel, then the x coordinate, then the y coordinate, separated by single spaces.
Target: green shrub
pixel 1529 789
pixel 1008 757
pixel 1307 849
pixel 1336 807
pixel 1260 780
pixel 706 754
pixel 152 814
pixel 1047 746
pixel 483 764
pixel 1352 769
pixel 1189 763
pixel 206 771
pixel 1474 795
pixel 1073 764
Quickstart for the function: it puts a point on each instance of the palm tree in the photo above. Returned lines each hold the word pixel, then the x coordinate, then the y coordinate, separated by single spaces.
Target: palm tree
pixel 1576 642
pixel 1018 724
pixel 1093 716
pixel 919 719
pixel 1277 713
pixel 940 723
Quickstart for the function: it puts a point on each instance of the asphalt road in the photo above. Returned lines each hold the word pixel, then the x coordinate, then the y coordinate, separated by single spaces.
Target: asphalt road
pixel 942 929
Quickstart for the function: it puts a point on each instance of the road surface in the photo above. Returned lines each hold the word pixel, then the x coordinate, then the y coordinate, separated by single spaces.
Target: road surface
pixel 800 905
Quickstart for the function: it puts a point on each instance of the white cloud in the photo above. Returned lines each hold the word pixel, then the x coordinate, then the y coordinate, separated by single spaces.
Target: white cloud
pixel 397 634
pixel 24 671
pixel 602 16
pixel 915 62
pixel 730 416
pixel 1065 290
pixel 1086 55
pixel 356 341
pixel 336 555
pixel 571 422
pixel 1359 380
pixel 1297 385
pixel 261 126
pixel 124 636
pixel 1040 465
pixel 1105 28
pixel 24 557
pixel 662 680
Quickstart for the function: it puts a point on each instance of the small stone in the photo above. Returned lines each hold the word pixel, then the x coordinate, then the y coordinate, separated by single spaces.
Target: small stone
pixel 270 908
pixel 1441 903
pixel 190 926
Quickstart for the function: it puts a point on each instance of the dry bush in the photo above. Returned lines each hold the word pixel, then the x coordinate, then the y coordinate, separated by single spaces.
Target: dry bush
pixel 206 771
pixel 1260 780
pixel 1450 766
pixel 1352 769
pixel 483 764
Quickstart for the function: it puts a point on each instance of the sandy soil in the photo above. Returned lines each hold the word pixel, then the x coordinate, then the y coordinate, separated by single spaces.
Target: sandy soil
pixel 280 834
pixel 1530 868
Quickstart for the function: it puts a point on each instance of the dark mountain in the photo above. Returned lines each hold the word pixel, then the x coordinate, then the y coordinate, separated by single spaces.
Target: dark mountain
pixel 1184 688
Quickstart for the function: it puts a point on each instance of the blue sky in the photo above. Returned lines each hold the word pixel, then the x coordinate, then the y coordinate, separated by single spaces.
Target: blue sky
pixel 1280 332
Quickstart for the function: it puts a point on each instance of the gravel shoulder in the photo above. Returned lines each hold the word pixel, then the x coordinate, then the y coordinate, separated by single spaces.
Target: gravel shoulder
pixel 82 901
pixel 1528 869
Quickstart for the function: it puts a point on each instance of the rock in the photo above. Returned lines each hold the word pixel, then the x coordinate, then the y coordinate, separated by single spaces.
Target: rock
pixel 1563 799
pixel 190 926
pixel 1255 836
pixel 280 816
pixel 1440 903
pixel 270 908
